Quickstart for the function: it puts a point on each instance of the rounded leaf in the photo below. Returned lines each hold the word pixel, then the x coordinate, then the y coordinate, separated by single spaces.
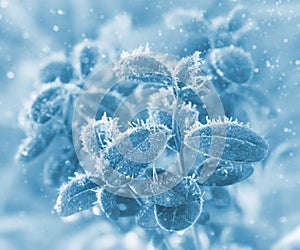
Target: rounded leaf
pixel 138 147
pixel 34 146
pixel 115 206
pixel 178 195
pixel 232 64
pixel 231 141
pixel 47 104
pixel 113 159
pixel 145 218
pixel 227 173
pixel 61 162
pixel 180 217
pixel 143 68
pixel 57 70
pixel 77 195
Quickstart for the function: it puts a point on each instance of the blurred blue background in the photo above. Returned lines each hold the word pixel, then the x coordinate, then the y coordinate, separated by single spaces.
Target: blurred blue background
pixel 34 32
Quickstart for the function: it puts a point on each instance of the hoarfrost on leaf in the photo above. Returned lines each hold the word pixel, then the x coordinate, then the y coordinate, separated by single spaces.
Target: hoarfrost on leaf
pixel 77 195
pixel 184 214
pixel 232 141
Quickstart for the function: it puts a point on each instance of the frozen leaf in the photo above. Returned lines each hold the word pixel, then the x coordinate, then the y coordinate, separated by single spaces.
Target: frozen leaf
pixel 192 83
pixel 161 117
pixel 142 67
pixel 231 64
pixel 57 70
pixel 180 217
pixel 48 104
pixel 226 173
pixel 58 169
pixel 178 195
pixel 232 141
pixel 177 218
pixel 115 206
pixel 33 146
pixel 88 59
pixel 153 79
pixel 77 195
pixel 145 218
pixel 136 148
pixel 193 30
pixel 61 163
pixel 156 181
pixel 117 161
pixel 112 177
pixel 193 103
pixel 189 74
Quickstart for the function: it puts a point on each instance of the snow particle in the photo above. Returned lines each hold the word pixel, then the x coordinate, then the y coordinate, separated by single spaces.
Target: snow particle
pixel 56 28
pixel 10 75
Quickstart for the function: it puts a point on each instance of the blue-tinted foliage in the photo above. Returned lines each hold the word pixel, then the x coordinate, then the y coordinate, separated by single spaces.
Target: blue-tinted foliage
pixel 197 33
pixel 63 71
pixel 140 139
pixel 115 206
pixel 78 195
pixel 47 104
pixel 144 70
pixel 145 218
pixel 57 170
pixel 133 152
pixel 230 65
pixel 236 142
pixel 178 195
pixel 120 163
pixel 152 139
pixel 185 212
pixel 34 146
pixel 226 173
pixel 61 163
pixel 152 79
pixel 164 118
pixel 88 59
pixel 189 96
